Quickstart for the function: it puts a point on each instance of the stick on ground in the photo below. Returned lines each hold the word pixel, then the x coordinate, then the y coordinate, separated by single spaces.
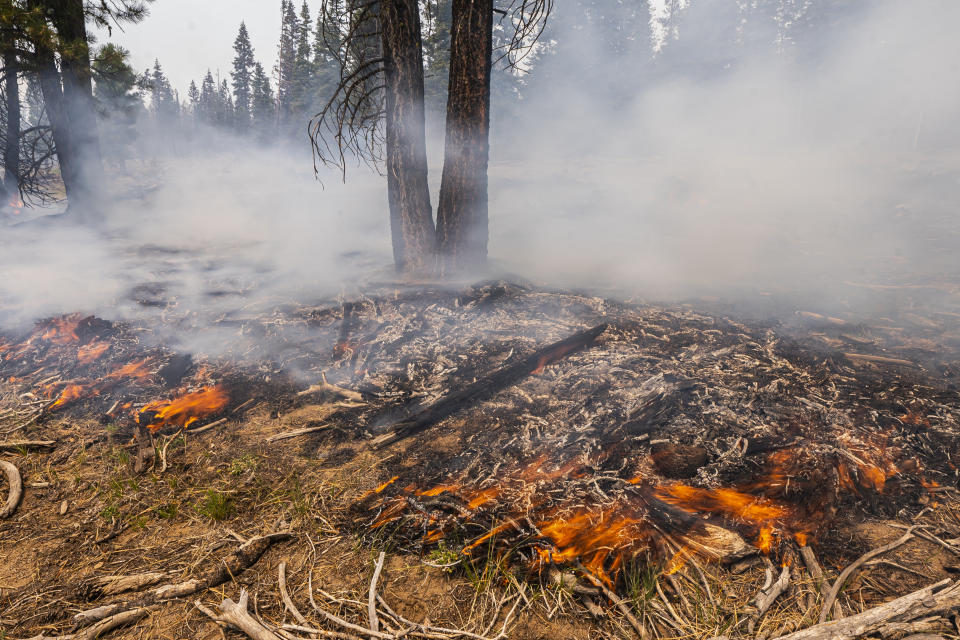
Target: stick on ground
pixel 15 493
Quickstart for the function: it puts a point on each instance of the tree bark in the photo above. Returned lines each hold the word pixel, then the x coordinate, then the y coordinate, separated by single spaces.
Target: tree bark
pixel 462 226
pixel 78 105
pixel 411 216
pixel 52 91
pixel 11 152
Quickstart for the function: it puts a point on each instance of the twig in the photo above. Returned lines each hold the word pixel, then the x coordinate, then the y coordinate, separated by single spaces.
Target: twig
pixel 620 604
pixel 206 427
pixel 332 618
pixel 15 493
pixel 372 596
pixel 842 578
pixel 297 432
pixel 285 596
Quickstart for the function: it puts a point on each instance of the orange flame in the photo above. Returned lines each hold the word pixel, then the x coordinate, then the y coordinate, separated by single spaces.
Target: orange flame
pixel 90 352
pixel 135 370
pixel 72 393
pixel 551 357
pixel 185 410
pixel 62 330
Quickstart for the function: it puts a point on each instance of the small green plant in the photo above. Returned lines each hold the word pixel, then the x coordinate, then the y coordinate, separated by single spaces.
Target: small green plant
pixel 444 557
pixel 110 512
pixel 246 462
pixel 167 511
pixel 215 505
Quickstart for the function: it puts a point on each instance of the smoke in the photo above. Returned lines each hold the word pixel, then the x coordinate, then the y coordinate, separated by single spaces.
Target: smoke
pixel 787 154
pixel 742 161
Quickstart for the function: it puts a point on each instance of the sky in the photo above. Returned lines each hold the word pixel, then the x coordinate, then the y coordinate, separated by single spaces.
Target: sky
pixel 188 36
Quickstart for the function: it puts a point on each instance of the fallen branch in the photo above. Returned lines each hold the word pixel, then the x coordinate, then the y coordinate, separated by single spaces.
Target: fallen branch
pixel 285 595
pixel 297 432
pixel 27 444
pixel 488 386
pixel 235 614
pixel 231 566
pixel 372 596
pixel 923 603
pixel 856 564
pixel 15 493
pixel 324 386
pixel 863 357
pixel 770 592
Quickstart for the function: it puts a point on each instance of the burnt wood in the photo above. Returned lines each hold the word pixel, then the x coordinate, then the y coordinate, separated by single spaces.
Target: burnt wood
pixel 487 387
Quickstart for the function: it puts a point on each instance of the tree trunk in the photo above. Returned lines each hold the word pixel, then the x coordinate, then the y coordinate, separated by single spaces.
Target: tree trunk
pixel 462 227
pixel 411 216
pixel 50 88
pixel 78 105
pixel 11 153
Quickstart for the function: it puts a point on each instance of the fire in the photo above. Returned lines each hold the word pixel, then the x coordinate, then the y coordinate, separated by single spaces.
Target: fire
pixel 62 330
pixel 89 353
pixel 72 393
pixel 185 410
pixel 729 502
pixel 16 205
pixel 134 370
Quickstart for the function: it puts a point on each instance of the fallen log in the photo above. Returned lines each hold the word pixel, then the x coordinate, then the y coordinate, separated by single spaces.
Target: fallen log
pixel 231 566
pixel 940 598
pixel 488 386
pixel 15 493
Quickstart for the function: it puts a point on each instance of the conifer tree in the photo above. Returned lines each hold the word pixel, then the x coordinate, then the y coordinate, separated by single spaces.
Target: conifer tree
pixel 193 94
pixel 287 58
pixel 263 102
pixel 226 116
pixel 243 64
pixel 208 105
pixel 436 52
pixel 328 48
pixel 163 102
pixel 302 81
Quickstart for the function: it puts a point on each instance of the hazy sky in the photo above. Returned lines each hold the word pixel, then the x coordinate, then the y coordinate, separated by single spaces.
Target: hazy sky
pixel 188 36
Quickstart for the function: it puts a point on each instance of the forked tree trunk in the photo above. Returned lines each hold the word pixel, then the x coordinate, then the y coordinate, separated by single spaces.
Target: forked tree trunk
pixel 462 227
pixel 11 152
pixel 411 217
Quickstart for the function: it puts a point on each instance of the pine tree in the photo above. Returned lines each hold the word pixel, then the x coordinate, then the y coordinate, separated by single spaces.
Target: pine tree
pixel 163 102
pixel 302 82
pixel 208 106
pixel 226 115
pixel 287 58
pixel 243 64
pixel 437 16
pixel 263 103
pixel 328 48
pixel 193 94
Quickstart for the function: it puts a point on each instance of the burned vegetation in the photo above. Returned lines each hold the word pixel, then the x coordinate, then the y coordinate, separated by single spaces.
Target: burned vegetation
pixel 654 464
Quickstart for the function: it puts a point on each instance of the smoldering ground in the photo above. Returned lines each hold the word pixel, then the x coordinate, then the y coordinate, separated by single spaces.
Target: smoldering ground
pixel 795 166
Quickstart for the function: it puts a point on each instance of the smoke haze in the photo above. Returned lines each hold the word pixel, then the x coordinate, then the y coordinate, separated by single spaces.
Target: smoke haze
pixel 731 163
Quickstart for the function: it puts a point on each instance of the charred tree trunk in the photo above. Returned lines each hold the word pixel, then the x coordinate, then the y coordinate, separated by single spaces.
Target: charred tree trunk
pixel 11 152
pixel 411 216
pixel 52 92
pixel 77 105
pixel 462 227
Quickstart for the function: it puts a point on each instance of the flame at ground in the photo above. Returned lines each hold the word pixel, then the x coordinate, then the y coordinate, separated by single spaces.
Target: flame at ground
pixel 89 353
pixel 62 330
pixel 185 410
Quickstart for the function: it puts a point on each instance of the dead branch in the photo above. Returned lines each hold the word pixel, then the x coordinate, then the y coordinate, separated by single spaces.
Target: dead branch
pixel 372 597
pixel 27 444
pixel 234 614
pixel 231 566
pixel 15 493
pixel 297 432
pixel 856 564
pixel 766 597
pixel 939 598
pixel 488 386
pixel 325 387
pixel 113 585
pixel 285 595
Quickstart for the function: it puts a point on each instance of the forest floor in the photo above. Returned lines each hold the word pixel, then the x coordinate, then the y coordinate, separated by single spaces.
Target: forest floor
pixel 496 513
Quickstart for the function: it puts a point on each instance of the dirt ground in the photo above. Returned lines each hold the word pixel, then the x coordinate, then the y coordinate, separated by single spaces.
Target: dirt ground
pixel 86 515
